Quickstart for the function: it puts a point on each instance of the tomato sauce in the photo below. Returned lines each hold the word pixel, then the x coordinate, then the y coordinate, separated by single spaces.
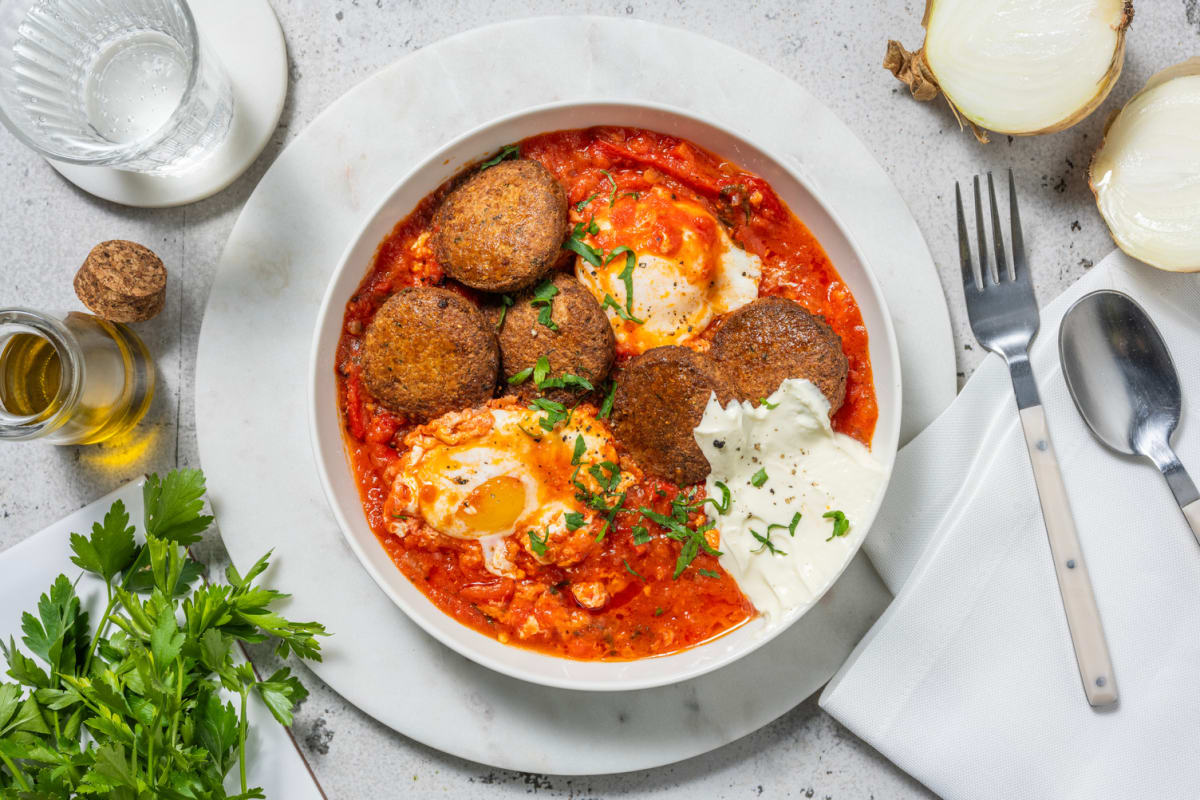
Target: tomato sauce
pixel 649 611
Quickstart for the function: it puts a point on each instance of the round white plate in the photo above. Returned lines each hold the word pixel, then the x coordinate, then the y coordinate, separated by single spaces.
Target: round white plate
pixel 252 368
pixel 245 37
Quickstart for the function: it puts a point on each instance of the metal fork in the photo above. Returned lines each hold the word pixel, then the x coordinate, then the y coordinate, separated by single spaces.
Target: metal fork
pixel 1004 318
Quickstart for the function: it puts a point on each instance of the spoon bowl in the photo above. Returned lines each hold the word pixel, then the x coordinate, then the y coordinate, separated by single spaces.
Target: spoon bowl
pixel 1123 381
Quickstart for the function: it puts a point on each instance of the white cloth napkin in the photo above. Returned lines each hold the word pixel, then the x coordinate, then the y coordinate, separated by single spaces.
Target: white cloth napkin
pixel 28 568
pixel 968 681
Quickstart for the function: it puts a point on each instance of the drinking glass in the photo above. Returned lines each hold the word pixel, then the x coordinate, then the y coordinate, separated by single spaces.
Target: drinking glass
pixel 120 83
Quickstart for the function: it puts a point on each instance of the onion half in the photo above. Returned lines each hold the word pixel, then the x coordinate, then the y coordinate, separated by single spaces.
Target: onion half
pixel 1019 67
pixel 1146 172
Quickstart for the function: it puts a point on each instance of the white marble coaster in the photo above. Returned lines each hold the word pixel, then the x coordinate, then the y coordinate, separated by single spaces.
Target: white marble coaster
pixel 254 346
pixel 245 37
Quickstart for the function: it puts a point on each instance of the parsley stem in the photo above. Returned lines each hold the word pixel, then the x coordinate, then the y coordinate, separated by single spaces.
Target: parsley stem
pixel 242 739
pixel 18 776
pixel 102 628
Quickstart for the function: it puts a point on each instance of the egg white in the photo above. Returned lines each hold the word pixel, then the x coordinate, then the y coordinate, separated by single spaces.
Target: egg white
pixel 681 281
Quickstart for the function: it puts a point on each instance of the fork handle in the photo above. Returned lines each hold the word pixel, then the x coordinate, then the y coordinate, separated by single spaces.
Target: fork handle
pixel 1083 617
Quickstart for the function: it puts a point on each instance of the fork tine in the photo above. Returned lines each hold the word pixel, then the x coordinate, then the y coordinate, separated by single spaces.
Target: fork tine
pixel 964 243
pixel 985 273
pixel 1019 267
pixel 997 236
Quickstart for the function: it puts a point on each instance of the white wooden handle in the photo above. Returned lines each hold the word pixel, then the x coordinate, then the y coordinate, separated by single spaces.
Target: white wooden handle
pixel 1191 512
pixel 1083 618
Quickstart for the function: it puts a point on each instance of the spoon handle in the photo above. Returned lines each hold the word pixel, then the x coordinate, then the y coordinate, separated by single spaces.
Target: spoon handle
pixel 1191 512
pixel 1074 583
pixel 1181 485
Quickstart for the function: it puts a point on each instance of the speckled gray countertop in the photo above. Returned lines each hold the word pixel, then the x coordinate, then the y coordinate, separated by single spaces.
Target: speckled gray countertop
pixel 833 48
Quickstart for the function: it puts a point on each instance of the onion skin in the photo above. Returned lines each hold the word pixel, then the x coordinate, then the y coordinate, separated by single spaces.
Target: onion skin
pixel 913 69
pixel 1188 68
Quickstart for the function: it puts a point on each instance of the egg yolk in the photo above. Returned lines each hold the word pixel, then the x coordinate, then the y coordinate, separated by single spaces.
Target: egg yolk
pixel 494 505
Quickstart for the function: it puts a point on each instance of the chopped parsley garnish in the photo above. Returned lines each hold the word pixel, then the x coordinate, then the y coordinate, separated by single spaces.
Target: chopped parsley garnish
pixel 634 195
pixel 575 520
pixel 582 248
pixel 580 449
pixel 841 525
pixel 759 478
pixel 538 545
pixel 520 377
pixel 607 404
pixel 658 612
pixel 640 534
pixel 582 204
pixel 576 245
pixel 505 301
pixel 555 412
pixel 610 302
pixel 709 573
pixel 767 403
pixel 631 570
pixel 723 505
pixel 626 275
pixel 765 544
pixel 612 198
pixel 508 151
pixel 540 370
pixel 543 298
pixel 566 381
pixel 609 481
pixel 790 527
pixel 677 528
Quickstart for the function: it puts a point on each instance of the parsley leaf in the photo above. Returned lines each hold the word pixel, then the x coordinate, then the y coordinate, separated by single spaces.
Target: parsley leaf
pixel 841 525
pixel 759 478
pixel 790 527
pixel 631 570
pixel 508 151
pixel 538 544
pixel 626 276
pixel 110 549
pixel 585 250
pixel 520 377
pixel 767 403
pixel 709 573
pixel 610 302
pixel 582 204
pixel 541 370
pixel 138 712
pixel 173 506
pixel 607 404
pixel 612 198
pixel 658 612
pixel 543 298
pixel 574 520
pixel 580 449
pixel 640 534
pixel 765 543
pixel 726 500
pixel 506 300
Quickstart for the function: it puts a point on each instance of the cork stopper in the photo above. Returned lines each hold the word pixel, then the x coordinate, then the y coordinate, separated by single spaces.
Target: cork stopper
pixel 122 281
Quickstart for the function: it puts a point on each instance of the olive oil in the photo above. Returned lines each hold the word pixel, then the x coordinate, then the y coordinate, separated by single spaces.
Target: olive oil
pixel 71 379
pixel 30 375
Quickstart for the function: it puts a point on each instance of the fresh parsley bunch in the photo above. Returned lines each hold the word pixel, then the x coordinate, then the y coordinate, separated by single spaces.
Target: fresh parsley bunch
pixel 137 709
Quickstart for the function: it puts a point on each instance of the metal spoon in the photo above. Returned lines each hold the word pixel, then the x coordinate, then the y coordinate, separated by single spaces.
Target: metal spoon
pixel 1124 384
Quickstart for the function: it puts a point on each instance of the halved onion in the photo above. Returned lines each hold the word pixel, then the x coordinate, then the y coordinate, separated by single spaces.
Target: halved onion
pixel 1019 67
pixel 1146 173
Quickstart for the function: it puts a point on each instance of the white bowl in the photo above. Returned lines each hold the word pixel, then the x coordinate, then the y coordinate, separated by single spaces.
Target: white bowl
pixel 326 427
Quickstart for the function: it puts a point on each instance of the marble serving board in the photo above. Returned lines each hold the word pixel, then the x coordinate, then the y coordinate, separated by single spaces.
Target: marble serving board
pixel 256 338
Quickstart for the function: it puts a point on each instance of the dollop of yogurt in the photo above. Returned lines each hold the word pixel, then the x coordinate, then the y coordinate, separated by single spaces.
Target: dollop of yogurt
pixel 778 460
